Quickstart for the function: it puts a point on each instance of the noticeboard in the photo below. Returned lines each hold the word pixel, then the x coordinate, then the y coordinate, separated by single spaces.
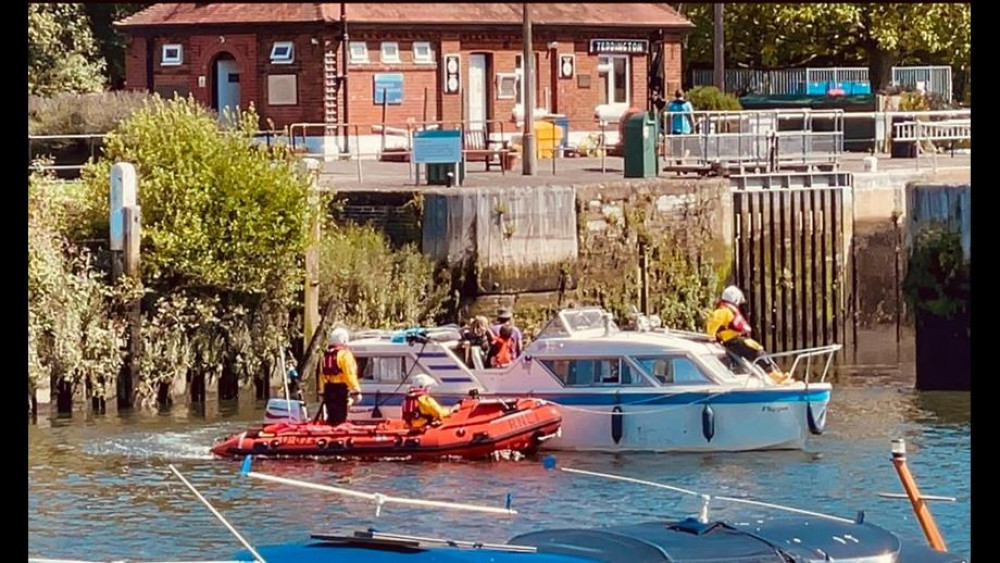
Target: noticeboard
pixel 390 86
pixel 437 147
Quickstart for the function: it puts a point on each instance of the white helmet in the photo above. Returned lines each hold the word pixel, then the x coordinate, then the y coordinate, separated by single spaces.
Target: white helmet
pixel 423 380
pixel 339 336
pixel 732 294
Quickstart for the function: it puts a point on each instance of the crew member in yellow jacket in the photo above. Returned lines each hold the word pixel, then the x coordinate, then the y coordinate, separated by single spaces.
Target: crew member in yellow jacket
pixel 419 408
pixel 727 325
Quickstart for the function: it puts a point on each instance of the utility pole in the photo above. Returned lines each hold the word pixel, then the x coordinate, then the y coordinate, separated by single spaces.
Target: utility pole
pixel 720 50
pixel 528 76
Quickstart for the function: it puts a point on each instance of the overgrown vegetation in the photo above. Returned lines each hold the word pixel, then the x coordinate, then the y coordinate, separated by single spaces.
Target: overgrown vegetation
pixel 709 98
pixel 937 278
pixel 72 337
pixel 373 286
pixel 75 114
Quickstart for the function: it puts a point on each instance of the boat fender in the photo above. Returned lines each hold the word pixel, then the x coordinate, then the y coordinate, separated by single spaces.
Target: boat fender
pixel 708 423
pixel 338 444
pixel 275 443
pixel 816 423
pixel 616 424
pixel 321 443
pixel 377 412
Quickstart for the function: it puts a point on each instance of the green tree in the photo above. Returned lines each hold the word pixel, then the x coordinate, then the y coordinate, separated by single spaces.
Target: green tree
pixel 877 35
pixel 62 53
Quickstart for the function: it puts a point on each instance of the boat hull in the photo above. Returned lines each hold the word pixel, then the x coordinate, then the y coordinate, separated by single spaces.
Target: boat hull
pixel 774 418
pixel 477 430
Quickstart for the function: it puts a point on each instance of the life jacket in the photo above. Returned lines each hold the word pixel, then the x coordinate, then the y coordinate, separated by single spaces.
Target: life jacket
pixel 331 368
pixel 411 408
pixel 737 326
pixel 504 355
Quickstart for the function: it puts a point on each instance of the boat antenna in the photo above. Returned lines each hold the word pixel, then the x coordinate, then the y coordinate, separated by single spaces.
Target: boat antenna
pixel 550 463
pixel 221 518
pixel 379 499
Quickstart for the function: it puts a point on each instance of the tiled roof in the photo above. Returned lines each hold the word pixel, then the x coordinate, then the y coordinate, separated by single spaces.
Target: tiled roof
pixel 618 14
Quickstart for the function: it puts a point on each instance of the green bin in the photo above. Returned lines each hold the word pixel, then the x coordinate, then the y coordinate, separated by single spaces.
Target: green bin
pixel 641 134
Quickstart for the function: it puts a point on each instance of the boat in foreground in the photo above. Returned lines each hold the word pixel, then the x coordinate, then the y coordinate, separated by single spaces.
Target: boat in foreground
pixel 478 429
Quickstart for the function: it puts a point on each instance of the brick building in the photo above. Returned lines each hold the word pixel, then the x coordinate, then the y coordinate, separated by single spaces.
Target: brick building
pixel 331 64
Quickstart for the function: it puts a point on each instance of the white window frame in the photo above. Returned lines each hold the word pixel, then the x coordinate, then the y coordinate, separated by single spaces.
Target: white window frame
pixel 172 61
pixel 389 58
pixel 606 72
pixel 289 57
pixel 425 60
pixel 355 57
pixel 501 77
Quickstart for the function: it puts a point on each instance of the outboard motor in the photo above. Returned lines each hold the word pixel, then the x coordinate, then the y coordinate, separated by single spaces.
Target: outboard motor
pixel 283 410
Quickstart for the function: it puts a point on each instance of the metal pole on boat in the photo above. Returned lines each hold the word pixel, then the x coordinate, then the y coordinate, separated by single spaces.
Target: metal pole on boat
pixel 221 518
pixel 918 501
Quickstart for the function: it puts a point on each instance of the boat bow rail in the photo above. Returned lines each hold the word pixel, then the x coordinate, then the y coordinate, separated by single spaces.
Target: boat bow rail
pixel 822 355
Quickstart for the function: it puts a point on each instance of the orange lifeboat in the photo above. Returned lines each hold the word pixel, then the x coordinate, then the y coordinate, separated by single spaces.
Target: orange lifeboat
pixel 477 429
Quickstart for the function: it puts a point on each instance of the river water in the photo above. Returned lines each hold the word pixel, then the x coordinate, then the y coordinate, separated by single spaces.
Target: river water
pixel 100 488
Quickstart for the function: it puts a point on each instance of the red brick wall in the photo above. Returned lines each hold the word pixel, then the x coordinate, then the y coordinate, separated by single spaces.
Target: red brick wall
pixel 308 70
pixel 135 63
pixel 417 77
pixel 252 53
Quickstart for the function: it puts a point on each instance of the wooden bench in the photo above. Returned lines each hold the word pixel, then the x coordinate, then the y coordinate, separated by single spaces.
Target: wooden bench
pixel 479 148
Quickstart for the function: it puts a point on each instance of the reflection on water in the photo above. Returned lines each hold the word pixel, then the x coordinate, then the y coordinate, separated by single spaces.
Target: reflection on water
pixel 100 488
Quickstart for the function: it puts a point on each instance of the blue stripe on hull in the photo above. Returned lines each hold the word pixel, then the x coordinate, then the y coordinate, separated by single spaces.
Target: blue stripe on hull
pixel 643 399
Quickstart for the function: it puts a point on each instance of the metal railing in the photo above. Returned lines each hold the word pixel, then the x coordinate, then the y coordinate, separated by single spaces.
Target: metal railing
pixel 89 138
pixel 933 79
pixel 760 139
pixel 808 354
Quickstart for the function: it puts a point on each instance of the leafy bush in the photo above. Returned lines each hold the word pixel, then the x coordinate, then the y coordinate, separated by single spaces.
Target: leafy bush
pixel 77 114
pixel 223 234
pixel 709 98
pixel 374 286
pixel 217 210
pixel 937 276
pixel 72 337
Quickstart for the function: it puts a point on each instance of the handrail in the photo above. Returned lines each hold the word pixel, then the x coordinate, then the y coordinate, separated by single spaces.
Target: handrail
pixel 808 354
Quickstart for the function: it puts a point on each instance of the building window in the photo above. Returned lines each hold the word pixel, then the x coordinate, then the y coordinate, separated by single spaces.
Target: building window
pixel 173 55
pixel 422 52
pixel 507 86
pixel 594 372
pixel 283 53
pixel 614 83
pixel 390 52
pixel 358 52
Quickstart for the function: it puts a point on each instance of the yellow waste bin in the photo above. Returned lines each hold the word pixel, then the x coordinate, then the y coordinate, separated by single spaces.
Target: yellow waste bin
pixel 548 137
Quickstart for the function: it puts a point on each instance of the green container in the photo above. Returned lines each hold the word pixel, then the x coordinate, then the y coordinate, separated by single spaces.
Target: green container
pixel 641 134
pixel 437 174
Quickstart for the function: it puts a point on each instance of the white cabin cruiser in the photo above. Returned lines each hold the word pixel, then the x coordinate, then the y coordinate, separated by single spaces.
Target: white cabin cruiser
pixel 619 390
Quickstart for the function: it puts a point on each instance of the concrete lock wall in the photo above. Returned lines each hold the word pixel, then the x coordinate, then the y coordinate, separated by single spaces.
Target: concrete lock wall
pixel 516 236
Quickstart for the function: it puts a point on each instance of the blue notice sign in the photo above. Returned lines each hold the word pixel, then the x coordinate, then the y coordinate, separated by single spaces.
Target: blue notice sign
pixel 437 147
pixel 390 86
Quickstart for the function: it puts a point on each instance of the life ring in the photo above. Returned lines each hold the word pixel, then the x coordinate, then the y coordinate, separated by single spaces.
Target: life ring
pixel 816 424
pixel 708 423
